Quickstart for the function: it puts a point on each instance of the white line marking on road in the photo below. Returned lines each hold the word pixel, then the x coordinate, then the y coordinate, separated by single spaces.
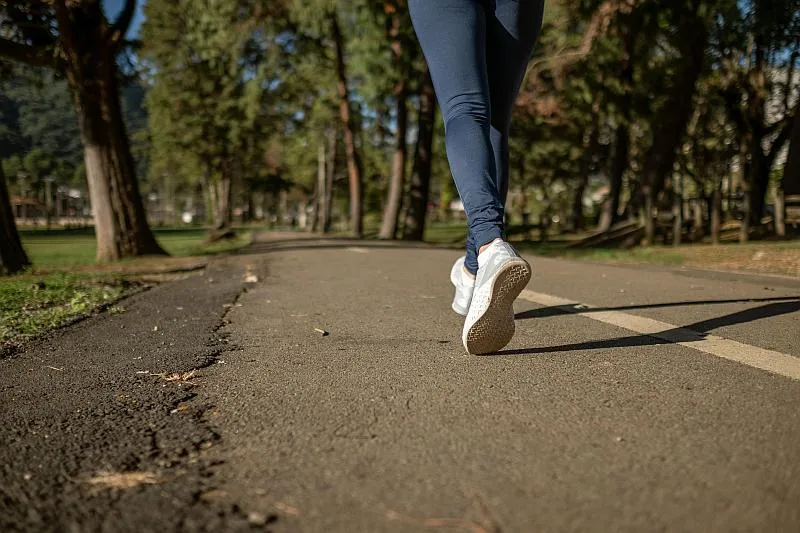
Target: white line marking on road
pixel 769 360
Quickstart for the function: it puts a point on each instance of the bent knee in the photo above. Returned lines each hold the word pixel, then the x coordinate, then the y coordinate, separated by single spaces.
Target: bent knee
pixel 473 106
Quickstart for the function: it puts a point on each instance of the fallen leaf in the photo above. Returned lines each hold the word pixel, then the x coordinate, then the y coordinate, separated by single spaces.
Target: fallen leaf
pixel 122 480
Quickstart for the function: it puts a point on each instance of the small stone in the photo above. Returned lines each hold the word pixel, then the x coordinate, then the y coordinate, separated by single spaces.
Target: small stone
pixel 257 519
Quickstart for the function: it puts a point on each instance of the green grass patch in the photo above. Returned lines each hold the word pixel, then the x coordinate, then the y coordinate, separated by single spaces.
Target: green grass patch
pixel 653 255
pixel 57 291
pixel 68 248
pixel 31 304
pixel 446 233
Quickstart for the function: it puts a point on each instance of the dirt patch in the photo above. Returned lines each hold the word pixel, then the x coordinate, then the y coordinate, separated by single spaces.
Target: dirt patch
pixel 148 266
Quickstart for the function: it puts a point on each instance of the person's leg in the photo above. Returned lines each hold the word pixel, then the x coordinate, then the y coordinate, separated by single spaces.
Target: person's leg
pixel 512 26
pixel 511 30
pixel 452 34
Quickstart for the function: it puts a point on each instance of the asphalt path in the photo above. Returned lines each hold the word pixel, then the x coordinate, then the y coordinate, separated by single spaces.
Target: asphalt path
pixel 331 393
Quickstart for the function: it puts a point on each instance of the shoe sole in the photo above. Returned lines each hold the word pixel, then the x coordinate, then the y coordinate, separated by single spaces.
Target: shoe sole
pixel 495 328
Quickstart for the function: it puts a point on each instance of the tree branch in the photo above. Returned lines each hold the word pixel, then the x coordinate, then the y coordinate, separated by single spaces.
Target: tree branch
pixel 37 56
pixel 598 23
pixel 117 32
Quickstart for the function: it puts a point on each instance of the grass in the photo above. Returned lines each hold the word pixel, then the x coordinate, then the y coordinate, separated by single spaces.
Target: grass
pixel 655 255
pixel 31 304
pixel 446 233
pixel 69 248
pixel 764 257
pixel 61 286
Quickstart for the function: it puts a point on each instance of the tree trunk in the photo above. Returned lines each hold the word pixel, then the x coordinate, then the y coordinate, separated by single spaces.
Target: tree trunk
pixel 345 113
pixel 759 183
pixel 761 162
pixel 647 217
pixel 391 212
pixel 282 207
pixel 120 221
pixel 219 195
pixel 716 213
pixel 318 212
pixel 703 205
pixel 744 229
pixel 791 172
pixel 414 228
pixel 677 213
pixel 251 207
pixel 576 220
pixel 780 213
pixel 330 172
pixel 619 163
pixel 226 205
pixel 671 120
pixel 12 255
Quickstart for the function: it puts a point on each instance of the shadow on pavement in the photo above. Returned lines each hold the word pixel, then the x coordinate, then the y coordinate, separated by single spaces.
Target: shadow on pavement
pixel 690 333
pixel 546 312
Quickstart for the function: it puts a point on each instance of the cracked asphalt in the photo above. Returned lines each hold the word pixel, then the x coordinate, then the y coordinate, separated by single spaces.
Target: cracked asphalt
pixel 382 423
pixel 92 406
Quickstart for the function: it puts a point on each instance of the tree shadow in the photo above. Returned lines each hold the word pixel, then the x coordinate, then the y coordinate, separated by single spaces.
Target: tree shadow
pixel 546 312
pixel 691 333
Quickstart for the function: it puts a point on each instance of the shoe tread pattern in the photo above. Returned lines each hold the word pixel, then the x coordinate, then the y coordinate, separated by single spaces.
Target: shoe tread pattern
pixel 494 329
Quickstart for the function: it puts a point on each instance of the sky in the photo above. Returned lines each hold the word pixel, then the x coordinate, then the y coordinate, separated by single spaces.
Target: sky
pixel 112 9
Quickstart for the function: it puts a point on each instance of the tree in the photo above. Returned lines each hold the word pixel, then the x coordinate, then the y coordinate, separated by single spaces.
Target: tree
pixel 791 172
pixel 76 40
pixel 12 255
pixel 399 37
pixel 758 52
pixel 691 34
pixel 627 30
pixel 354 169
pixel 414 227
pixel 211 97
pixel 43 115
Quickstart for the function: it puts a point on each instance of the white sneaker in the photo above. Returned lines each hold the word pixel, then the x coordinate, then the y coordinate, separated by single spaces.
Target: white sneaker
pixel 464 286
pixel 502 274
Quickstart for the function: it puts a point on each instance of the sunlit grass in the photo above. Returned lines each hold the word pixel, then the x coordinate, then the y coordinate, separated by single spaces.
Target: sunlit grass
pixel 58 288
pixel 32 303
pixel 68 248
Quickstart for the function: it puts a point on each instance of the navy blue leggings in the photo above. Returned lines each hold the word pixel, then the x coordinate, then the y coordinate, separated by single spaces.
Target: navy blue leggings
pixel 477 52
